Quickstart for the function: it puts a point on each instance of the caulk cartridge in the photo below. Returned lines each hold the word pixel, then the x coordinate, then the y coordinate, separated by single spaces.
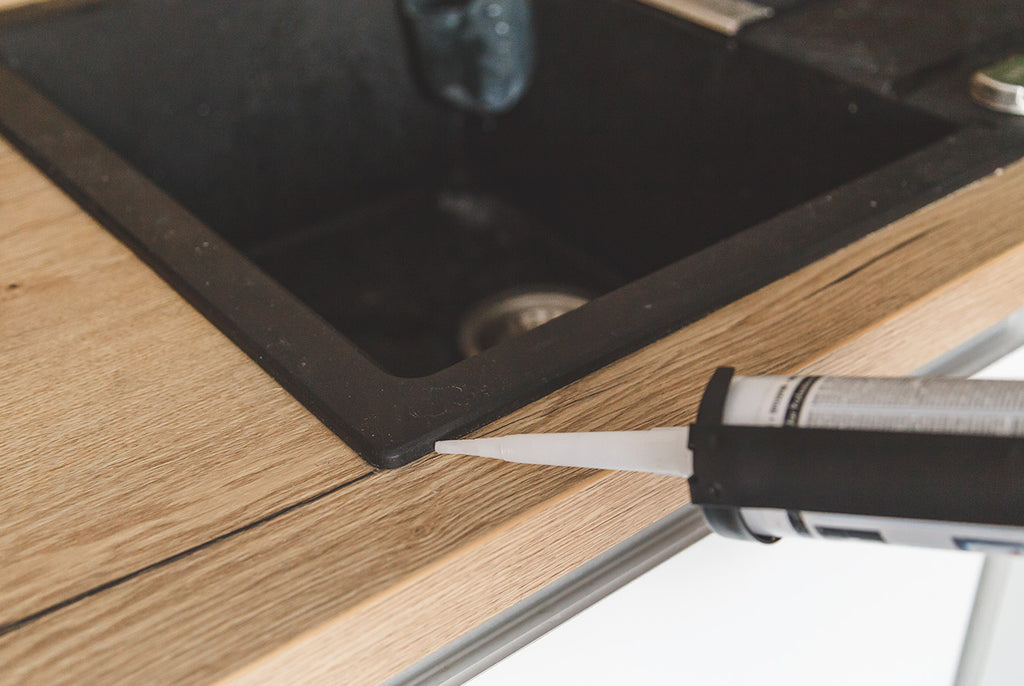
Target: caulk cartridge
pixel 924 461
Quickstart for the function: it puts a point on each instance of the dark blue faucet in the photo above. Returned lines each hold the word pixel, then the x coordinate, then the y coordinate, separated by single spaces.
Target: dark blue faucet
pixel 474 54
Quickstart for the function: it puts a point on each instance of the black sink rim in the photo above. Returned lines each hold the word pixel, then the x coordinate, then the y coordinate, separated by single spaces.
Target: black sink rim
pixel 389 420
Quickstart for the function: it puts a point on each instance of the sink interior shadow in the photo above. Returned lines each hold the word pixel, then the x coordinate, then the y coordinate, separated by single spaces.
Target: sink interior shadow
pixel 299 133
pixel 656 168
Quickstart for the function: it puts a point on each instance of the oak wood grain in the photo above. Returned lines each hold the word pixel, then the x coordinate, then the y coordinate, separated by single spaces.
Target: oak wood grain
pixel 130 428
pixel 364 581
pixel 976 301
pixel 364 549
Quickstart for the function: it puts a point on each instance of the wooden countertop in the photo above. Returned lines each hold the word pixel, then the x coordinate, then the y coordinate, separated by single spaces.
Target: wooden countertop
pixel 170 515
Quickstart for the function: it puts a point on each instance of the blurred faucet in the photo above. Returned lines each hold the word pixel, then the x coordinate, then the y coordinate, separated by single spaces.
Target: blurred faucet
pixel 474 54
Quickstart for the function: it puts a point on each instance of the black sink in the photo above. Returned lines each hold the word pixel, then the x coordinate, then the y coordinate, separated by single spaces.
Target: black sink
pixel 339 223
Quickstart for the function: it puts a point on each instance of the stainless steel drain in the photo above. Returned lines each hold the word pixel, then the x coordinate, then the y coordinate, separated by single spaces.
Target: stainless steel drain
pixel 511 313
pixel 1000 87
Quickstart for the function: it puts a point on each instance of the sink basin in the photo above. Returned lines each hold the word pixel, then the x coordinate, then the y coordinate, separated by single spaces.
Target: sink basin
pixel 281 165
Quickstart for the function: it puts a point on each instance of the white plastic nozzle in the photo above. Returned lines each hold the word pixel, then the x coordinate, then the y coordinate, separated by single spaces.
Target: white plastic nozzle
pixel 659 451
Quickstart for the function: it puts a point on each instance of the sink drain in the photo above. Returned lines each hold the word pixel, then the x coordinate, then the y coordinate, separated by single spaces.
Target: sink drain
pixel 510 314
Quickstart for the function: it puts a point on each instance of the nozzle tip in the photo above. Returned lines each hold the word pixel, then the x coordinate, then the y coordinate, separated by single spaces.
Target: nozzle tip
pixel 447 447
pixel 480 447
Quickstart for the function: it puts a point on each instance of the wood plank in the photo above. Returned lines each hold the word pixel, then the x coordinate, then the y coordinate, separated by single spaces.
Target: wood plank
pixel 362 583
pixel 130 428
pixel 974 302
pixel 513 562
pixel 436 506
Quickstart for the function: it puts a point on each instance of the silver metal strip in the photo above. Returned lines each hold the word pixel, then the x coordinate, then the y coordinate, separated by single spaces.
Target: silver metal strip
pixel 979 352
pixel 723 16
pixel 988 604
pixel 534 616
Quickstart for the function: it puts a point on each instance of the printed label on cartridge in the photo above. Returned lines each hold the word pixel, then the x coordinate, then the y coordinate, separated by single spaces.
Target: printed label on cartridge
pixel 925 404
